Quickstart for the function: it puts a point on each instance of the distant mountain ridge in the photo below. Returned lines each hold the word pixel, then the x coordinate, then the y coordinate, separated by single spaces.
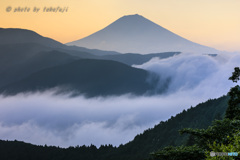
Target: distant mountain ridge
pixel 25 52
pixel 88 77
pixel 15 36
pixel 136 34
pixel 22 36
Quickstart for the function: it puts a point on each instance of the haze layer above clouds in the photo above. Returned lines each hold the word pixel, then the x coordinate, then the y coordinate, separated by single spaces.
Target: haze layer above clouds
pixel 45 118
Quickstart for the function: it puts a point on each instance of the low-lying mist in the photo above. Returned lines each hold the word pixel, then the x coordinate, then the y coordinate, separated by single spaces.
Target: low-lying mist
pixel 47 118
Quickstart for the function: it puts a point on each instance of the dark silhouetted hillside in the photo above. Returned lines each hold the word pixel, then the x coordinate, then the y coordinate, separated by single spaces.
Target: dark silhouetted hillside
pixel 86 76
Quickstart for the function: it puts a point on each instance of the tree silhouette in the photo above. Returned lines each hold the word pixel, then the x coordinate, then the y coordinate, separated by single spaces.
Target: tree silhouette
pixel 233 110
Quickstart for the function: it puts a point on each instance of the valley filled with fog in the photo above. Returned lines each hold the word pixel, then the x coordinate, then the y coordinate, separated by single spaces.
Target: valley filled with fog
pixel 62 120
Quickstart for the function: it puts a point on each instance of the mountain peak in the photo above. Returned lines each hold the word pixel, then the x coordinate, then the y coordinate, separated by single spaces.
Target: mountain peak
pixel 132 15
pixel 134 19
pixel 137 34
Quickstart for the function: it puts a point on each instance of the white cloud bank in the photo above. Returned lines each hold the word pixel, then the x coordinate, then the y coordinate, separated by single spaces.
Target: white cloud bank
pixel 45 118
pixel 59 120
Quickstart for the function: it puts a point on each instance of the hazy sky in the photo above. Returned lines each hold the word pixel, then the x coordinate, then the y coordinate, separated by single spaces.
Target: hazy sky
pixel 214 23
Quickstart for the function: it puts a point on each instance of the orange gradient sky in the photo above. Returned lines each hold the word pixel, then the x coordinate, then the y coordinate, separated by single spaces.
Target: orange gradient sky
pixel 215 23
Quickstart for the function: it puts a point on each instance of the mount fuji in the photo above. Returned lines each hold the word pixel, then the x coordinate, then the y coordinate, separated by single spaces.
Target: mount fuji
pixel 136 34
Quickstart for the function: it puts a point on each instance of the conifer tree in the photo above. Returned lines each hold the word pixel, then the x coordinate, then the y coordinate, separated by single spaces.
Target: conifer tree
pixel 233 110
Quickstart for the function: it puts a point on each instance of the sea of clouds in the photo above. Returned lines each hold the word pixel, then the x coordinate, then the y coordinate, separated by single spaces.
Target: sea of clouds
pixel 61 120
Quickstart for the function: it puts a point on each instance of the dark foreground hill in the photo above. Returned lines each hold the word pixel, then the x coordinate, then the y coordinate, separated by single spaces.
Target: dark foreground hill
pixel 163 134
pixel 166 133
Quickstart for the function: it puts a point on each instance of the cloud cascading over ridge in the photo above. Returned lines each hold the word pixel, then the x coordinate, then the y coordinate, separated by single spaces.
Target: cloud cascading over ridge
pixel 46 118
